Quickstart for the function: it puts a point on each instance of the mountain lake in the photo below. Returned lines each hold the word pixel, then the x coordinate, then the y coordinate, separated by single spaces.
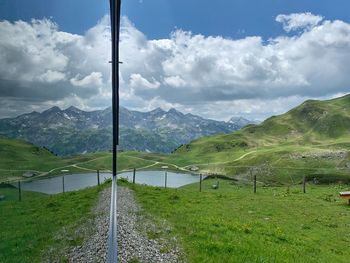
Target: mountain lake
pixel 73 182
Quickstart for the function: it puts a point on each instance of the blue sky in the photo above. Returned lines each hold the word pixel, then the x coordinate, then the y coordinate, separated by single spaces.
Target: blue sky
pixel 157 18
pixel 252 58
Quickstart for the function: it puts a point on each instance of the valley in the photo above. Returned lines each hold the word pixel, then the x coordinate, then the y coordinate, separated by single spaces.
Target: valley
pixel 229 222
pixel 312 140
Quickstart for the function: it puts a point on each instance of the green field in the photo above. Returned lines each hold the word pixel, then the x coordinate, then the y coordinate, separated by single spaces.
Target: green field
pixel 18 157
pixel 42 226
pixel 231 224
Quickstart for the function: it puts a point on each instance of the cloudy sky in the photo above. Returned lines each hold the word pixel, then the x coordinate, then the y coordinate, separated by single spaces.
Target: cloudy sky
pixel 242 57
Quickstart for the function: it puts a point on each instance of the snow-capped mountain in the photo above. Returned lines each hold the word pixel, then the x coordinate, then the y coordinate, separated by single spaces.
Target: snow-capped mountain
pixel 73 131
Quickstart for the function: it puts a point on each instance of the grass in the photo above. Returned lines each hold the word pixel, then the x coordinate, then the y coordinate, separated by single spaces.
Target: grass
pixel 277 224
pixel 39 222
pixel 19 156
pixel 273 163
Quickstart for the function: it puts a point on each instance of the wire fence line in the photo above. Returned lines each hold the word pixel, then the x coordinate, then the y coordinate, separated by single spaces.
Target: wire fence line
pixel 265 176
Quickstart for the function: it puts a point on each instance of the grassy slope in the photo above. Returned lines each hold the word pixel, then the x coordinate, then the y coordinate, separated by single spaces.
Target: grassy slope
pixel 18 156
pixel 30 227
pixel 253 228
pixel 313 127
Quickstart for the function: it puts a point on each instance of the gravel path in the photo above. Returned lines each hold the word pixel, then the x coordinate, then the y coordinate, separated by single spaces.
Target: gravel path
pixel 133 231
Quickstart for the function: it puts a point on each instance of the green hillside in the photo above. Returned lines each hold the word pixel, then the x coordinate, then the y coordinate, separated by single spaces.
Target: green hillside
pixel 312 139
pixel 19 157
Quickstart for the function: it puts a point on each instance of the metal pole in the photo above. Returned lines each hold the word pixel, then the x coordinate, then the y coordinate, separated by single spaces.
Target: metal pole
pixel 166 178
pixel 19 191
pixel 133 176
pixel 63 183
pixel 115 28
pixel 200 183
pixel 304 184
pixel 254 183
pixel 98 177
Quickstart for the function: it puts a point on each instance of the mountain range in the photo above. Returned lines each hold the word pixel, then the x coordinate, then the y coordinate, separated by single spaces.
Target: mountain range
pixel 74 131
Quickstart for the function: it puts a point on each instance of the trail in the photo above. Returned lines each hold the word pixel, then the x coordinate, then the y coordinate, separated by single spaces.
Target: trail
pixel 156 162
pixel 184 168
pixel 75 165
pixel 237 159
pixel 16 170
pixel 134 243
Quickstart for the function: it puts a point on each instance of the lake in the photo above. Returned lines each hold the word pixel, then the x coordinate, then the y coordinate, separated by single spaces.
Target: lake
pixel 73 182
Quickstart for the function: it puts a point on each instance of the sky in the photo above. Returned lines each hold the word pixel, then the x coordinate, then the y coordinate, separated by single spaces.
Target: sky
pixel 219 59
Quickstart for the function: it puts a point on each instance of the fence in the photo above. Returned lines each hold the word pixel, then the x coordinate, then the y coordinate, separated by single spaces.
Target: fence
pixel 50 185
pixel 256 177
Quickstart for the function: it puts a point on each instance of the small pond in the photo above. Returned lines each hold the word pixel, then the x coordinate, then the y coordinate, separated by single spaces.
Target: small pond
pixel 72 182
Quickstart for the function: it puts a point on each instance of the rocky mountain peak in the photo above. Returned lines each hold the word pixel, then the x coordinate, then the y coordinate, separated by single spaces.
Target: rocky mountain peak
pixel 73 109
pixel 53 109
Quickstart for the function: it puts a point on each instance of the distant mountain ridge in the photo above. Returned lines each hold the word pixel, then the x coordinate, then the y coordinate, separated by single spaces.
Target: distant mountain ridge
pixel 73 131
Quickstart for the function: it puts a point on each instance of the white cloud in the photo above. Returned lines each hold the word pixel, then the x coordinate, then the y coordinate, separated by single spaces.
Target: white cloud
pixel 52 76
pixel 93 80
pixel 215 76
pixel 193 69
pixel 41 65
pixel 138 82
pixel 175 81
pixel 299 21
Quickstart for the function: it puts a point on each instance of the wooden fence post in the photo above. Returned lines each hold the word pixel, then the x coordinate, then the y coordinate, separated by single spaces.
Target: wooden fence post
pixel 166 178
pixel 304 184
pixel 19 191
pixel 63 183
pixel 254 183
pixel 200 182
pixel 98 177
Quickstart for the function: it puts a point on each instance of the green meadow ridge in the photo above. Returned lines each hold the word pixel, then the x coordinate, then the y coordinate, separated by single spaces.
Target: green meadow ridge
pixel 310 140
pixel 314 137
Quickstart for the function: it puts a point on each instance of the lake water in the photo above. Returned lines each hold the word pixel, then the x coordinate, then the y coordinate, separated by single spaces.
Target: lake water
pixel 72 182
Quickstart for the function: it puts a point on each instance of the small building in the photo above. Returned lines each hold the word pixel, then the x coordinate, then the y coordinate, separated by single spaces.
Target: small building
pixel 194 168
pixel 28 174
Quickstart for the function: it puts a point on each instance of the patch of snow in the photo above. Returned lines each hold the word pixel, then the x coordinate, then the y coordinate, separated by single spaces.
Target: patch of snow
pixel 161 117
pixel 66 116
